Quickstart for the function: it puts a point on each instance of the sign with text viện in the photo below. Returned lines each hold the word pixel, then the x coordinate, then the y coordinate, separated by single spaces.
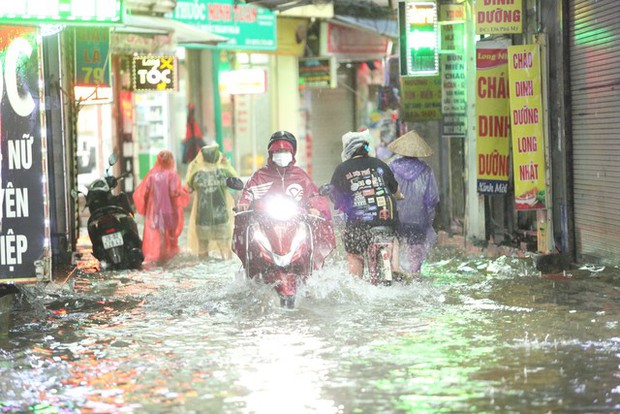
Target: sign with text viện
pixel 528 141
pixel 498 16
pixel 61 11
pixel 24 213
pixel 492 121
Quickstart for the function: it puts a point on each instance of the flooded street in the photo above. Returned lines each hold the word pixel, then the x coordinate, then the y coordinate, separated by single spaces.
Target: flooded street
pixel 471 336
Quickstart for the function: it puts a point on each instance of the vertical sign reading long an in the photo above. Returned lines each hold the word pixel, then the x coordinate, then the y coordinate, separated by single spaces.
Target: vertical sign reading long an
pixel 23 211
pixel 492 120
pixel 527 127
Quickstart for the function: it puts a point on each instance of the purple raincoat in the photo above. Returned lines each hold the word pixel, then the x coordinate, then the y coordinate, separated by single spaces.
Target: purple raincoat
pixel 417 183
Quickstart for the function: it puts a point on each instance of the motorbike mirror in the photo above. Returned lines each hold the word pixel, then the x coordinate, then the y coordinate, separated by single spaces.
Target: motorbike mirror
pixel 235 183
pixel 112 158
pixel 326 189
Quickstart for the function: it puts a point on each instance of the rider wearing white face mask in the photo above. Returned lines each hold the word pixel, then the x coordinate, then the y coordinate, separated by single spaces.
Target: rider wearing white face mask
pixel 281 175
pixel 282 158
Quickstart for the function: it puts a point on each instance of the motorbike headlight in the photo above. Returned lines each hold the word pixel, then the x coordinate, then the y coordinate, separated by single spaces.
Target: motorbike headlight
pixel 282 208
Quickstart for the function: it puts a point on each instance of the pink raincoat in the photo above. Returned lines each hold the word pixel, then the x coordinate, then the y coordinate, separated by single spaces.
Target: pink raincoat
pixel 160 198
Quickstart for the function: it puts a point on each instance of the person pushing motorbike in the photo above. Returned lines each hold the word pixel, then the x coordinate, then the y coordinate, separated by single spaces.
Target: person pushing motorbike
pixel 364 189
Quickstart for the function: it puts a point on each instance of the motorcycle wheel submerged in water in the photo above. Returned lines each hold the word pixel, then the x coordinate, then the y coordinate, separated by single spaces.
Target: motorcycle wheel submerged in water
pixel 275 242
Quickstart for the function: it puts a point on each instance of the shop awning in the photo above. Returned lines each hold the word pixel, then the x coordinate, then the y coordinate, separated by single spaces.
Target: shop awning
pixel 184 33
pixel 383 27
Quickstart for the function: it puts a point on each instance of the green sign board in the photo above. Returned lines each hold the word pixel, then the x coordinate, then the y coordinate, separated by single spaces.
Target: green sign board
pixel 417 21
pixel 248 27
pixel 61 11
pixel 92 63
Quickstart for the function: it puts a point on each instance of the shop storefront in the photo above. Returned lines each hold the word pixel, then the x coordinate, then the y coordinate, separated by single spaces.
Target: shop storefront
pixel 236 103
pixel 594 70
pixel 352 62
pixel 35 123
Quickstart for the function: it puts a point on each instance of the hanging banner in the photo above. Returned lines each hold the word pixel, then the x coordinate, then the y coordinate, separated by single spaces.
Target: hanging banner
pixel 498 16
pixel 420 98
pixel 24 234
pixel 492 121
pixel 154 73
pixel 528 141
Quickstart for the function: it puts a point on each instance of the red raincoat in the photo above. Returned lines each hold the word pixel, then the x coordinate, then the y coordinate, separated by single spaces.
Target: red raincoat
pixel 294 182
pixel 161 198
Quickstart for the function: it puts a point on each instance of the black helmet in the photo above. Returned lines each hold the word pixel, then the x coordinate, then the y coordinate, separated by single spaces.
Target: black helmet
pixel 283 135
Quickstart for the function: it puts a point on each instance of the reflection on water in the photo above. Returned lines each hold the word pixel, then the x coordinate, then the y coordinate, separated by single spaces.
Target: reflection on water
pixel 194 336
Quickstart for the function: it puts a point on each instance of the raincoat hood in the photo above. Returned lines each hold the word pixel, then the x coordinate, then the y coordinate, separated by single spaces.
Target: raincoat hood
pixel 211 153
pixel 408 168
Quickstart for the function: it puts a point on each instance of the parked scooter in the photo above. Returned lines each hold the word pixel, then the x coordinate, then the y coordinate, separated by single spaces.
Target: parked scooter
pixel 111 226
pixel 378 256
pixel 275 241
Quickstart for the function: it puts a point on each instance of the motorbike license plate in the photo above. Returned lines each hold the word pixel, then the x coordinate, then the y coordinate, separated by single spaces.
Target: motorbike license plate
pixel 112 240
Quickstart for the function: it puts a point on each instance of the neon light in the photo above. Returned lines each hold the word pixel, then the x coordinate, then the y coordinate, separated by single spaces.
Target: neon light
pixel 65 11
pixel 418 28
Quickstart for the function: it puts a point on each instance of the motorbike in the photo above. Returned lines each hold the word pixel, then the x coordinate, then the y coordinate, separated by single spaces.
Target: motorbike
pixel 378 255
pixel 275 241
pixel 111 226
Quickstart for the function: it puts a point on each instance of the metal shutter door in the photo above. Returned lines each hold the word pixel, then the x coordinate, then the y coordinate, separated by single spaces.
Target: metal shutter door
pixel 594 29
pixel 333 112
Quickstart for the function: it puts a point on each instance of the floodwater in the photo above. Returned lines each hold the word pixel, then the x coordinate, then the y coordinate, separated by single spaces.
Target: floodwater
pixel 472 335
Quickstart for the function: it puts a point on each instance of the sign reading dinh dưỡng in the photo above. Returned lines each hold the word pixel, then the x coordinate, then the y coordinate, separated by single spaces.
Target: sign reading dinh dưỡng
pixel 498 16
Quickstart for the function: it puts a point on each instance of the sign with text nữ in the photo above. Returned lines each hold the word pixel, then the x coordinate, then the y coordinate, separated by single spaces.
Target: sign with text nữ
pixel 24 211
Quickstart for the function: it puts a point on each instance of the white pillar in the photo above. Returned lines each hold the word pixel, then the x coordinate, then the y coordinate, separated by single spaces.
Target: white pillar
pixel 474 203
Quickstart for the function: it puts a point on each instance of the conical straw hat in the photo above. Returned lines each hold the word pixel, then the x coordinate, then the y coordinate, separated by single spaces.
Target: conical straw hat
pixel 410 145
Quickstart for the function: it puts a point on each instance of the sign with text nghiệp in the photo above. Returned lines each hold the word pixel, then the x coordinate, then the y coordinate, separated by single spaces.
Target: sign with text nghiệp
pixel 24 214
